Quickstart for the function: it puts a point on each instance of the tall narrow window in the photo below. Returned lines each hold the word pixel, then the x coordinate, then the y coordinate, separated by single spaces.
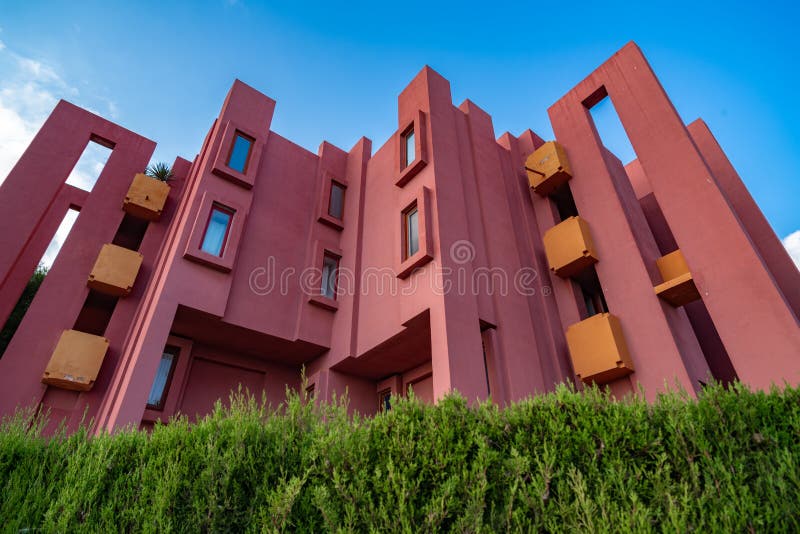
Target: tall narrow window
pixel 410 231
pixel 385 400
pixel 409 150
pixel 155 401
pixel 336 201
pixel 330 270
pixel 216 235
pixel 240 152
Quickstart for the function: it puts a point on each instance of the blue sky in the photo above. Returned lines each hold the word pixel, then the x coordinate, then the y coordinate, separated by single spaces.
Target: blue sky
pixel 335 68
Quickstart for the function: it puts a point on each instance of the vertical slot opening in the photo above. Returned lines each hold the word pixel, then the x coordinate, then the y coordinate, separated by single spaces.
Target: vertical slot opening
pixel 96 313
pixel 130 232
pixel 609 128
pixel 32 287
pixel 90 165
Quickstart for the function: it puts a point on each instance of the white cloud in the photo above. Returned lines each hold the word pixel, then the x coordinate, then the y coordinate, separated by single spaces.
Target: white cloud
pixel 792 244
pixel 29 90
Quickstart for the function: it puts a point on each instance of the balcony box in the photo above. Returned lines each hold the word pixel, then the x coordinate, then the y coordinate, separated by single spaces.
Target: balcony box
pixel 598 349
pixel 678 287
pixel 547 168
pixel 115 270
pixel 146 197
pixel 569 247
pixel 76 361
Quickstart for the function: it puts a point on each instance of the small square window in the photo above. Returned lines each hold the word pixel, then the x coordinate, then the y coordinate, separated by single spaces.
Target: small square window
pixel 385 400
pixel 336 201
pixel 330 271
pixel 409 149
pixel 217 229
pixel 410 231
pixel 240 152
pixel 155 401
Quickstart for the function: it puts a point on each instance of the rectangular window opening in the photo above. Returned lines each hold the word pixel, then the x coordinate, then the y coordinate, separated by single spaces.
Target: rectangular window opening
pixel 217 229
pixel 385 400
pixel 330 272
pixel 409 149
pixel 166 367
pixel 564 202
pixel 592 292
pixel 336 200
pixel 240 152
pixel 130 232
pixel 410 231
pixel 90 165
pixel 610 129
pixel 95 313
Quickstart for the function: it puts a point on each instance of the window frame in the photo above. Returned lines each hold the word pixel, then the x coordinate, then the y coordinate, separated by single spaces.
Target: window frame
pixel 236 134
pixel 165 390
pixel 315 297
pixel 337 259
pixel 335 184
pixel 230 249
pixel 413 208
pixel 406 170
pixel 406 264
pixel 231 212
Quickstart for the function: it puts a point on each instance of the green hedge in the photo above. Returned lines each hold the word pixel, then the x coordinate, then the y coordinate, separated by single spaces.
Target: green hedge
pixel 729 461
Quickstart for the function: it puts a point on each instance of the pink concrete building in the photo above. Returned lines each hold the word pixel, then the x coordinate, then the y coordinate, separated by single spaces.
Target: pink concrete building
pixel 445 259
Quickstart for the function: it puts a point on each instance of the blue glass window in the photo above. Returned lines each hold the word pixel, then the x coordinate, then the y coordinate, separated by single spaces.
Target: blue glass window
pixel 217 230
pixel 163 375
pixel 240 152
pixel 412 231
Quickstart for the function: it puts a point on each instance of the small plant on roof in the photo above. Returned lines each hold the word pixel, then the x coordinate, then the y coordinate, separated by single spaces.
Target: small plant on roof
pixel 160 171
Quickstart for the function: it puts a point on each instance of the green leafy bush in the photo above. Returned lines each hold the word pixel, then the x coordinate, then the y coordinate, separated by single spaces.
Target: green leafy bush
pixel 567 461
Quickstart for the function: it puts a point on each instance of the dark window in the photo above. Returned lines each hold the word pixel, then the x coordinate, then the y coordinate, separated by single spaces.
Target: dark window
pixel 166 367
pixel 336 201
pixel 592 292
pixel 240 152
pixel 410 231
pixel 330 270
pixel 408 149
pixel 217 229
pixel 385 400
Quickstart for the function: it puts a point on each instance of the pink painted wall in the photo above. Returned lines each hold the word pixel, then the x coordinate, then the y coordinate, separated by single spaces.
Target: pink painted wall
pixel 248 317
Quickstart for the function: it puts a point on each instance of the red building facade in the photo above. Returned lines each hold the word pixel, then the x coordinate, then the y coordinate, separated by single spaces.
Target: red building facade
pixel 447 259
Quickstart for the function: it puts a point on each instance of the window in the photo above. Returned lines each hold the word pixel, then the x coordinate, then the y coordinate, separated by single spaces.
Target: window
pixel 240 152
pixel 592 292
pixel 216 235
pixel 155 401
pixel 330 268
pixel 409 150
pixel 385 400
pixel 410 231
pixel 336 200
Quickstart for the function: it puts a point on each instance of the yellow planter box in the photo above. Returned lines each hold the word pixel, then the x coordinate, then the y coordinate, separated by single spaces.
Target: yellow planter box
pixel 547 168
pixel 115 270
pixel 146 197
pixel 569 247
pixel 598 349
pixel 678 288
pixel 75 361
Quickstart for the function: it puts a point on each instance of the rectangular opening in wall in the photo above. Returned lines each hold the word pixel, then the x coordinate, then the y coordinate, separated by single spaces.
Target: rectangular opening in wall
pixel 91 163
pixel 96 313
pixel 161 383
pixel 609 127
pixel 29 292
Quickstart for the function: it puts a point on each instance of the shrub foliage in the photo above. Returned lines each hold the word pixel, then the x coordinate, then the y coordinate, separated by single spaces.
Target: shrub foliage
pixel 566 461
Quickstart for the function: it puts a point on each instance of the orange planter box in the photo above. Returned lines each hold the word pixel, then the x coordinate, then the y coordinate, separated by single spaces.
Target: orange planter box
pixel 146 197
pixel 598 349
pixel 569 247
pixel 547 168
pixel 75 361
pixel 678 288
pixel 115 270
